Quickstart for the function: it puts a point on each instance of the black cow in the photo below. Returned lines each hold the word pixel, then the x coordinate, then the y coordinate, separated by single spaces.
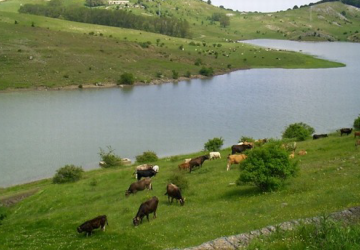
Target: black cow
pixel 172 191
pixel 95 223
pixel 315 136
pixel 346 131
pixel 145 173
pixel 198 161
pixel 145 209
pixel 139 186
pixel 240 148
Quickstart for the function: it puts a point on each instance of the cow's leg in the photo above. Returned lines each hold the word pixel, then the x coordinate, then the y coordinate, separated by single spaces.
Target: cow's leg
pixel 147 217
pixel 172 198
pixel 155 213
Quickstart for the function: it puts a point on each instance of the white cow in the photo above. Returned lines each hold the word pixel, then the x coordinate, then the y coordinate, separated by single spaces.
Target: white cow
pixel 214 155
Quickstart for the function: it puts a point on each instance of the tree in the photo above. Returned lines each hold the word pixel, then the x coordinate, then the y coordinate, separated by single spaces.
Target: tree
pixel 357 123
pixel 126 78
pixel 209 2
pixel 298 131
pixel 109 159
pixel 69 173
pixel 214 144
pixel 267 167
pixel 224 20
pixel 148 156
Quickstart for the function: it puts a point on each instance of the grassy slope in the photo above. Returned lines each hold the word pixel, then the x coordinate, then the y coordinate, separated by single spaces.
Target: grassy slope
pixel 63 53
pixel 328 180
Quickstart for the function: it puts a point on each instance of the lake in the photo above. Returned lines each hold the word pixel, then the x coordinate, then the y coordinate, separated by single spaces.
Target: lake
pixel 42 131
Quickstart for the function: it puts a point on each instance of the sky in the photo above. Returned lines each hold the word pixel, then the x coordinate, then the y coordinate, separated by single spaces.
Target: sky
pixel 261 5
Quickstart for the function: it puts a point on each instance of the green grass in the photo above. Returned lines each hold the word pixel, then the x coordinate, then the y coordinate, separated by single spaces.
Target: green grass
pixel 58 53
pixel 214 207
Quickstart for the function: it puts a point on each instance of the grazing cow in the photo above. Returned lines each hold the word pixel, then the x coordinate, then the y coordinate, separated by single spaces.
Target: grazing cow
pixel 235 159
pixel 315 136
pixel 139 186
pixel 172 191
pixel 214 155
pixel 156 168
pixel 146 167
pixel 261 141
pixel 302 152
pixel 184 165
pixel 145 209
pixel 145 173
pixel 240 148
pixel 95 223
pixel 187 160
pixel 198 161
pixel 357 143
pixel 346 131
pixel 357 133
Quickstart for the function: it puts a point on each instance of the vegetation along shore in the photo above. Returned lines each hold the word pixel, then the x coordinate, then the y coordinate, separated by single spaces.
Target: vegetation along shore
pixel 44 52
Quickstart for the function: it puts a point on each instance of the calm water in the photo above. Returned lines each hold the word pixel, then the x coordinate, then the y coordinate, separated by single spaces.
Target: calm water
pixel 42 131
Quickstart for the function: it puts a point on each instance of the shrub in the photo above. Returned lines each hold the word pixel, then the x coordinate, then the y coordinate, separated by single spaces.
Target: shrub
pixel 179 180
pixel 246 139
pixel 175 74
pixel 206 71
pixel 188 74
pixel 299 131
pixel 148 156
pixel 126 78
pixel 69 173
pixel 3 213
pixel 267 167
pixel 357 123
pixel 214 144
pixel 109 158
pixel 198 62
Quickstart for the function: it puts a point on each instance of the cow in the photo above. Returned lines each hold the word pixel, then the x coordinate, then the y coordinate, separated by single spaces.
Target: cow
pixel 291 146
pixel 356 133
pixel 346 131
pixel 95 223
pixel 184 165
pixel 144 167
pixel 240 148
pixel 145 173
pixel 156 168
pixel 318 136
pixel 357 143
pixel 139 186
pixel 198 161
pixel 302 152
pixel 145 209
pixel 187 160
pixel 214 155
pixel 172 191
pixel 234 159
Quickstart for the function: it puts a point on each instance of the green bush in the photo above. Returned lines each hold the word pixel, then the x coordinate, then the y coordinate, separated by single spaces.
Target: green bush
pixel 214 144
pixel 267 167
pixel 298 131
pixel 198 62
pixel 357 123
pixel 109 158
pixel 179 180
pixel 206 71
pixel 3 213
pixel 146 157
pixel 175 74
pixel 69 173
pixel 126 78
pixel 246 139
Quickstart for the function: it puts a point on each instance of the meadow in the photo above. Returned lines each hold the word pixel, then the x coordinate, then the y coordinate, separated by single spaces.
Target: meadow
pixel 215 206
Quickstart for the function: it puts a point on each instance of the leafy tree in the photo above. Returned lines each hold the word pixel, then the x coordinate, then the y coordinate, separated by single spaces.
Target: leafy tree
pixel 357 123
pixel 109 158
pixel 148 156
pixel 267 167
pixel 126 78
pixel 299 131
pixel 68 173
pixel 206 71
pixel 209 2
pixel 214 144
pixel 175 74
pixel 224 20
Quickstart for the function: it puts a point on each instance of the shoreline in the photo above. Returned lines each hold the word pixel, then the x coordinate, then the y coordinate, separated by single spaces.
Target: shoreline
pixel 107 85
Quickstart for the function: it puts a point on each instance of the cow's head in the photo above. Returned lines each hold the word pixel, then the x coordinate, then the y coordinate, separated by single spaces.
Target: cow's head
pixel 182 201
pixel 136 221
pixel 127 193
pixel 79 229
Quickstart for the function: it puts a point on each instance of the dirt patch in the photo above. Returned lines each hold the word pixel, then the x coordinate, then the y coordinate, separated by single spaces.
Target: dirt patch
pixel 11 200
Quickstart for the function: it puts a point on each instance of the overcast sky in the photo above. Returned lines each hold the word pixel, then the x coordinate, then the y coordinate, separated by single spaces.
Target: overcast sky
pixel 260 5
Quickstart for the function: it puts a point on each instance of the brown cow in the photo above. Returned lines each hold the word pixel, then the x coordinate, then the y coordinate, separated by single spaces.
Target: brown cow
pixel 357 133
pixel 240 148
pixel 302 152
pixel 235 159
pixel 95 223
pixel 172 191
pixel 184 165
pixel 198 161
pixel 139 186
pixel 145 209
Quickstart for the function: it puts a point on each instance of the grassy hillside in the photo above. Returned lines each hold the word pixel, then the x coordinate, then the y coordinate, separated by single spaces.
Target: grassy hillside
pixel 328 180
pixel 58 53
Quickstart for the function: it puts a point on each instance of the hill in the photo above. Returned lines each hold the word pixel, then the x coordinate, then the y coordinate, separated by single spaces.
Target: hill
pixel 42 52
pixel 214 207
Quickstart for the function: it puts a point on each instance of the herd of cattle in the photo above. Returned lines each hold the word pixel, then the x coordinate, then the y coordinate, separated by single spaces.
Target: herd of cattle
pixel 143 174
